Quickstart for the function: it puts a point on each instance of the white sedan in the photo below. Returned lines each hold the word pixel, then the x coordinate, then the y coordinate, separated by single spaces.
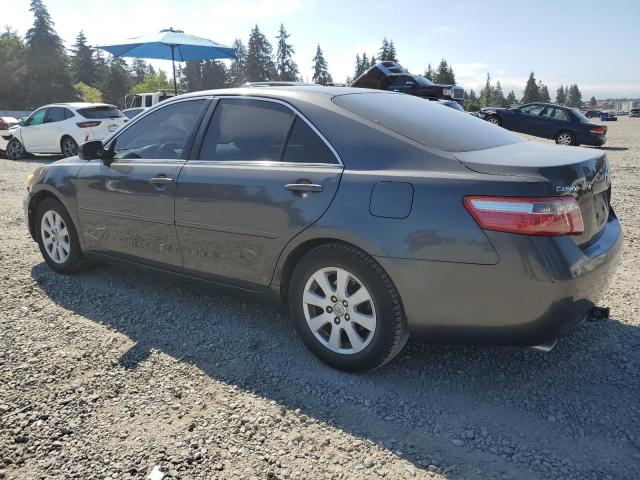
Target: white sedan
pixel 59 128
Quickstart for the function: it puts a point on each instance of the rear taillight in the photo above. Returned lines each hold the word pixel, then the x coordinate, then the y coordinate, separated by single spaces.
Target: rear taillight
pixel 93 123
pixel 529 216
pixel 599 130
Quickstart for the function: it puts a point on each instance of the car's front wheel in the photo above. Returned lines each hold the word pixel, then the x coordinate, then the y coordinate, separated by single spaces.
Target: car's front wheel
pixel 58 238
pixel 495 120
pixel 346 309
pixel 15 150
pixel 68 146
pixel 565 138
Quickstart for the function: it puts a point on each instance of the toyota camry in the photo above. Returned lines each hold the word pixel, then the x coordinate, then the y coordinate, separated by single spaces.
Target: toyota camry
pixel 368 215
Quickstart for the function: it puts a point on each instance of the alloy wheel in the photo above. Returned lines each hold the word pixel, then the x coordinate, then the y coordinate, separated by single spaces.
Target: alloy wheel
pixel 564 139
pixel 15 150
pixel 339 310
pixel 55 236
pixel 494 120
pixel 69 147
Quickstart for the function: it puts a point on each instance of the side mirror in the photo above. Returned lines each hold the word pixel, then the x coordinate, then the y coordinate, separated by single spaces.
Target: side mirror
pixel 91 150
pixel 22 123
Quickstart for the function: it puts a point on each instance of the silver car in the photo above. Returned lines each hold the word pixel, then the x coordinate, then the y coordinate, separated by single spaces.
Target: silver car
pixel 369 215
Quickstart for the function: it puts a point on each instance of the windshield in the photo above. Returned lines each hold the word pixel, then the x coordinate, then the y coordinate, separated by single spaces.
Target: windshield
pixel 426 122
pixel 422 81
pixel 580 116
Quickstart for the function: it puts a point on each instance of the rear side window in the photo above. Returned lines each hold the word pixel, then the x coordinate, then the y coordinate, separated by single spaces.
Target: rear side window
pixel 305 146
pixel 246 129
pixel 107 111
pixel 426 122
pixel 148 101
pixel 56 114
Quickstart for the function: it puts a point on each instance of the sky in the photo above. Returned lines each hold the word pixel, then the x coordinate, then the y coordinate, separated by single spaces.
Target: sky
pixel 592 43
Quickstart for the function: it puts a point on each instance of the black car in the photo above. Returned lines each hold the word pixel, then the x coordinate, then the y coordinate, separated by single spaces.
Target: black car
pixel 567 126
pixel 392 76
pixel 634 113
pixel 592 113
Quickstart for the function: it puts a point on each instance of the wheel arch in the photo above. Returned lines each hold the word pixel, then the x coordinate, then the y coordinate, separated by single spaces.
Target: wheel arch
pixel 283 276
pixel 34 201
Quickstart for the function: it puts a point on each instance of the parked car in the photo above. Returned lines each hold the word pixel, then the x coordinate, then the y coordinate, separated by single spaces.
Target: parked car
pixel 369 215
pixel 592 113
pixel 132 112
pixel 392 76
pixel 146 100
pixel 59 128
pixel 608 117
pixel 634 113
pixel 6 123
pixel 567 126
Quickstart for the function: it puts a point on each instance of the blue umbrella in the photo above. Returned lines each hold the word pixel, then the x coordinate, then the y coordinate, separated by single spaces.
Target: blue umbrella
pixel 170 44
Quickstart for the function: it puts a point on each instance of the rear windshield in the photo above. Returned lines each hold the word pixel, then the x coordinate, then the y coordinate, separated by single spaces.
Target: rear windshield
pixel 426 122
pixel 580 116
pixel 101 112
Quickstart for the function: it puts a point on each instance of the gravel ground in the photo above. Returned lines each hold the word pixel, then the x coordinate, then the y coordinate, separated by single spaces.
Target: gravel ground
pixel 109 373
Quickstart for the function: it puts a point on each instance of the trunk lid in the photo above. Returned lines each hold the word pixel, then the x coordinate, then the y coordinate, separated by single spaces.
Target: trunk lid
pixel 580 172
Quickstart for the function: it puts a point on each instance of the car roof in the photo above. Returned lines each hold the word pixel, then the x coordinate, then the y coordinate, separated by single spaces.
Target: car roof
pixel 78 105
pixel 302 92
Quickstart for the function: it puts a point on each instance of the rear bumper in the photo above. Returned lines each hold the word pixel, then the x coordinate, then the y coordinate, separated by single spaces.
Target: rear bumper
pixel 591 139
pixel 541 288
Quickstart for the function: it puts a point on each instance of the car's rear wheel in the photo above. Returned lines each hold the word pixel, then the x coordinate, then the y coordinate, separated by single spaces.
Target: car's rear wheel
pixel 58 238
pixel 68 146
pixel 15 150
pixel 346 309
pixel 495 120
pixel 565 138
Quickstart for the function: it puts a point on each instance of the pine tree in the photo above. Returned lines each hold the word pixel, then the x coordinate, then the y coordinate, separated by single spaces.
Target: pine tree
pixel 393 56
pixel 543 92
pixel 45 62
pixel 286 67
pixel 561 96
pixel 429 73
pixel 139 70
pixel 260 66
pixel 574 98
pixel 83 66
pixel 191 76
pixel 511 98
pixel 444 74
pixel 238 69
pixel 214 75
pixel 116 82
pixel 358 70
pixel 486 94
pixel 372 61
pixel 11 65
pixel 531 93
pixel 497 96
pixel 593 102
pixel 321 73
pixel 472 96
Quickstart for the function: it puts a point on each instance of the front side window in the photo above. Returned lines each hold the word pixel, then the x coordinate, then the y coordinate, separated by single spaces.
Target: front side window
pixel 37 118
pixel 162 134
pixel 246 129
pixel 56 114
pixel 534 110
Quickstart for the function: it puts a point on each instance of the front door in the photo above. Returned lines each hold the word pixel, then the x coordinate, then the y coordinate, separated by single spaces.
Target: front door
pixel 34 132
pixel 527 120
pixel 126 209
pixel 261 176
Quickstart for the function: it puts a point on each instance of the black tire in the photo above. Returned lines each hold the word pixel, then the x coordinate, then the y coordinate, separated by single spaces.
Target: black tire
pixel 565 138
pixel 68 146
pixel 391 331
pixel 495 120
pixel 75 261
pixel 15 150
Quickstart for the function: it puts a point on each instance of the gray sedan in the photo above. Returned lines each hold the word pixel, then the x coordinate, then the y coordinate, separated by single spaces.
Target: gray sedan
pixel 366 214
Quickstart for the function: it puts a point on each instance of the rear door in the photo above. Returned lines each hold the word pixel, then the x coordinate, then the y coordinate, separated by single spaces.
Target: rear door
pixel 54 131
pixel 262 175
pixel 126 208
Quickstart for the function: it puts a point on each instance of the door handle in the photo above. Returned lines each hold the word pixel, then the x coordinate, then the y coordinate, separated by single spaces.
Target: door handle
pixel 160 180
pixel 303 187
